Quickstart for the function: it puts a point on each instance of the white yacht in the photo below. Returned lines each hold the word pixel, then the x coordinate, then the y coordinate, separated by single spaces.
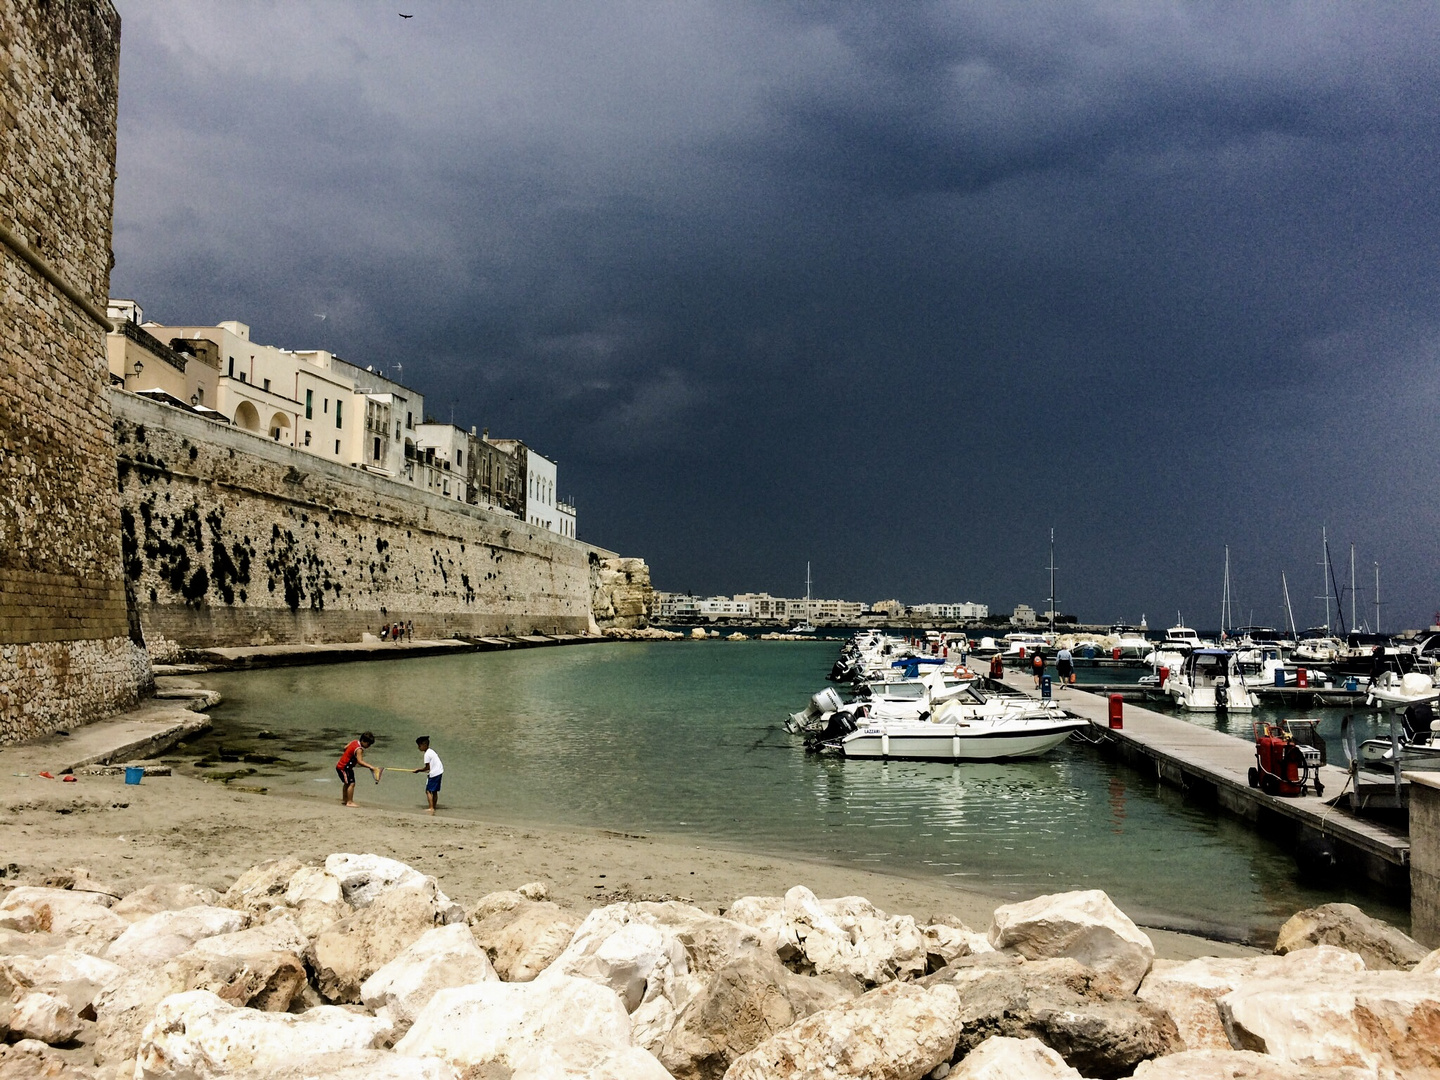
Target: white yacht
pixel 970 727
pixel 1209 680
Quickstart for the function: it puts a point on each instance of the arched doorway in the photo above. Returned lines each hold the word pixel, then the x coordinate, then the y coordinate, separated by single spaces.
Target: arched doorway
pixel 247 417
pixel 280 428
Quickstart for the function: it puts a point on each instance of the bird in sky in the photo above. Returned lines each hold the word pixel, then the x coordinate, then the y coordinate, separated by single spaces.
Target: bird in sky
pixel 404 16
pixel 320 316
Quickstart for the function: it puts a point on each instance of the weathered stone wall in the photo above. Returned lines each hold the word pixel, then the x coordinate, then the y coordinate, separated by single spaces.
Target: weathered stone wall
pixel 232 539
pixel 66 654
pixel 621 593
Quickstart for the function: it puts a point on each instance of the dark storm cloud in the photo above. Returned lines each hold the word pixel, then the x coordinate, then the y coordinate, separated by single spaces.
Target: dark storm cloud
pixel 890 287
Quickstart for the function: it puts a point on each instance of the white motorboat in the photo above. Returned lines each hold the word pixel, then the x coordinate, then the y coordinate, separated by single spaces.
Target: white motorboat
pixel 1209 680
pixel 952 735
pixel 1133 646
pixel 1023 646
pixel 1391 690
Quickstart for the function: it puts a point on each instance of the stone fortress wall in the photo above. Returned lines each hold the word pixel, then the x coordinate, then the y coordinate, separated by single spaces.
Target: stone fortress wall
pixel 66 648
pixel 232 539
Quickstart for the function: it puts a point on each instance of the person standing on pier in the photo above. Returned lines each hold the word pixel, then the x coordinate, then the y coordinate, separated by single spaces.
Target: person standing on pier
pixel 1065 666
pixel 1037 667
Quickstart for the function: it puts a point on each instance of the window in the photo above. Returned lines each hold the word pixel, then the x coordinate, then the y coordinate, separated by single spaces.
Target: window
pixel 267 386
pixel 409 420
pixel 307 436
pixel 242 376
pixel 309 405
pixel 397 430
pixel 459 459
pixel 337 447
pixel 327 406
pixel 200 395
pixel 377 447
pixel 338 403
pixel 232 367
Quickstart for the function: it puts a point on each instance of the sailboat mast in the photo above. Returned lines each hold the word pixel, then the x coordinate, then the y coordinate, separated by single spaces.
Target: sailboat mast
pixel 1377 598
pixel 808 619
pixel 1285 588
pixel 1325 574
pixel 1225 599
pixel 1352 586
pixel 1052 579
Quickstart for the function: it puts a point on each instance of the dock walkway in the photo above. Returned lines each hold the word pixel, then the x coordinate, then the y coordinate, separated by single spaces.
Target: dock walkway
pixel 1217 765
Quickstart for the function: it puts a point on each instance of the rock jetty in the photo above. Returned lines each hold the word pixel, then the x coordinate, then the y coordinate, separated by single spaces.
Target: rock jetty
pixel 363 967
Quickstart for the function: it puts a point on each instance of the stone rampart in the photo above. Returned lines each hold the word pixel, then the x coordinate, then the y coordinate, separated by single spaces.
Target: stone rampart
pixel 66 651
pixel 231 539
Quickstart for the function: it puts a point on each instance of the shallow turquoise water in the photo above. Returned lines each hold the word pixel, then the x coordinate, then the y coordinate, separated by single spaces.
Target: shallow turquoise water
pixel 685 738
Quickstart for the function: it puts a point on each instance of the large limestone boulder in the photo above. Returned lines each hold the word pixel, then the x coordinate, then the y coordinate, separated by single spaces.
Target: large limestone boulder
pixel 314 884
pixel 1188 991
pixel 440 958
pixel 166 934
pixel 46 1018
pixel 521 936
pixel 624 949
pixel 539 1030
pixel 163 897
pixel 1238 1065
pixel 267 981
pixel 1347 927
pixel 1072 1009
pixel 845 936
pixel 355 1065
pixel 362 878
pixel 946 942
pixel 262 887
pixel 32 909
pixel 74 976
pixel 1372 1020
pixel 1002 1058
pixel 1085 926
pixel 352 950
pixel 281 934
pixel 901 1031
pixel 30 1059
pixel 736 1008
pixel 196 1036
pixel 711 941
pixel 124 1008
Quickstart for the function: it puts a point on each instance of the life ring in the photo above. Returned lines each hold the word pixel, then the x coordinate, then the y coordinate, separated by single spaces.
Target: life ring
pixel 962 672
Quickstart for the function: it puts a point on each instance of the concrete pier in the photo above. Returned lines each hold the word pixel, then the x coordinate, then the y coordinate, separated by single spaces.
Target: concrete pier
pixel 1425 857
pixel 1215 767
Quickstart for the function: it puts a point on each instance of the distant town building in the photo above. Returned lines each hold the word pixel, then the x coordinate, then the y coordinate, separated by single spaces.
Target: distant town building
pixel 1024 615
pixel 966 612
pixel 892 608
pixel 318 403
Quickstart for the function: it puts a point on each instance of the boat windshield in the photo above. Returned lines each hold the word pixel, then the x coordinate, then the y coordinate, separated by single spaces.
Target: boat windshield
pixel 910 691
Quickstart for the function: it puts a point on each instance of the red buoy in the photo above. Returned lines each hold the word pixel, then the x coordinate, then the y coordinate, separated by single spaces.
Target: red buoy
pixel 1117 711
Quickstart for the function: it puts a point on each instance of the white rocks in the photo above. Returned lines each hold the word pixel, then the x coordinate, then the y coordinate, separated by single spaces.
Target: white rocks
pixel 1347 927
pixel 901 1031
pixel 558 1027
pixel 1373 1020
pixel 280 934
pixel 1189 991
pixel 946 942
pixel 46 1018
pixel 74 976
pixel 314 884
pixel 196 1036
pixel 262 887
pixel 33 909
pixel 847 936
pixel 364 877
pixel 166 934
pixel 163 897
pixel 352 950
pixel 628 952
pixel 522 936
pixel 1085 925
pixel 1002 1058
pixel 443 957
pixel 1239 1065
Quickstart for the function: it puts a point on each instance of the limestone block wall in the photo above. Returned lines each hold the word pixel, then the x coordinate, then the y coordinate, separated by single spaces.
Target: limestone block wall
pixel 66 651
pixel 232 539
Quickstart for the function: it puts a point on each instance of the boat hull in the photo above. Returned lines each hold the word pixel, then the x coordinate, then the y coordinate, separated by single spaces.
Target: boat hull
pixel 1374 754
pixel 949 742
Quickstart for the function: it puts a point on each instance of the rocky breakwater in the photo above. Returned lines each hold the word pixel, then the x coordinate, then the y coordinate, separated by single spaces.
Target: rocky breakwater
pixel 363 967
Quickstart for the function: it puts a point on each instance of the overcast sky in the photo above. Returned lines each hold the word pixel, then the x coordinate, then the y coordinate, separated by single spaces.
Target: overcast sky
pixel 892 287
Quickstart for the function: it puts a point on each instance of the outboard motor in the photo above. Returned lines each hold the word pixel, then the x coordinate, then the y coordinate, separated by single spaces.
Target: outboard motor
pixel 1222 693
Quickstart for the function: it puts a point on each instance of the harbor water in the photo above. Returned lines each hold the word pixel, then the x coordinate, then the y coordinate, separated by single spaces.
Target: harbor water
pixel 684 739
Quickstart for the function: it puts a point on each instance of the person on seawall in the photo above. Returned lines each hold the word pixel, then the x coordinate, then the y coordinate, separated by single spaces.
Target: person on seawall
pixel 1037 667
pixel 1065 666
pixel 432 766
pixel 355 755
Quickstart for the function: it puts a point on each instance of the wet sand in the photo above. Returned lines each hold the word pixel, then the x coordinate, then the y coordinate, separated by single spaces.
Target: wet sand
pixel 181 828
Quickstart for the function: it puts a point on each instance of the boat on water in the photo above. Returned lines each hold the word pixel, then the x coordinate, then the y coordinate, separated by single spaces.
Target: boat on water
pixel 1209 680
pixel 805 626
pixel 1132 645
pixel 982 738
pixel 1417 740
pixel 1022 646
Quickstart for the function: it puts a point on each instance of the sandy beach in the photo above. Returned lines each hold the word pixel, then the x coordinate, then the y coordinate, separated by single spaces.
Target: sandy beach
pixel 182 829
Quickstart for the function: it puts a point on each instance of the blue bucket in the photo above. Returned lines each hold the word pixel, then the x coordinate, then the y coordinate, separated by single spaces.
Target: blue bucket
pixel 134 774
